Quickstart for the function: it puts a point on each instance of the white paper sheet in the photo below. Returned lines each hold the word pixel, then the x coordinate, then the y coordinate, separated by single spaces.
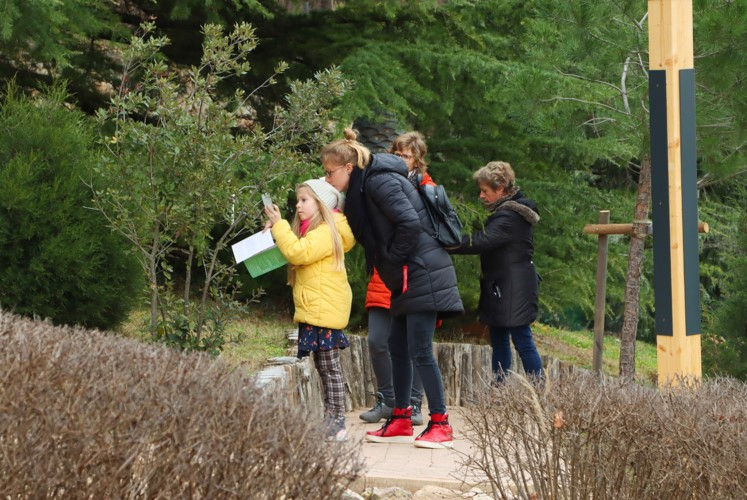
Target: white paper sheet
pixel 254 244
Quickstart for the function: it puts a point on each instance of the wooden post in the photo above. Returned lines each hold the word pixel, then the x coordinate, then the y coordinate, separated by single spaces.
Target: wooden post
pixel 703 227
pixel 674 190
pixel 601 294
pixel 602 230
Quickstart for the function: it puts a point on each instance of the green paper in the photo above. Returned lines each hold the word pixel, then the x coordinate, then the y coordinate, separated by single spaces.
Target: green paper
pixel 264 262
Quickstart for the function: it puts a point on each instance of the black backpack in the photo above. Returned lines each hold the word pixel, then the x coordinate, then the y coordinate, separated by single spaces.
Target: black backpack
pixel 447 228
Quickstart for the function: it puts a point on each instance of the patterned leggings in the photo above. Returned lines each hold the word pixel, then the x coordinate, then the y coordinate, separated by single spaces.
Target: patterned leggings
pixel 330 370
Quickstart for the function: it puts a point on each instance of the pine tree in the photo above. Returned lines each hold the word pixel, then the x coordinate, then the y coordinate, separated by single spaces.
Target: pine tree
pixel 52 32
pixel 589 86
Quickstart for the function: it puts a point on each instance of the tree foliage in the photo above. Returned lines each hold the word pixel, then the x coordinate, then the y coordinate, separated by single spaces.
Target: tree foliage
pixel 184 167
pixel 432 64
pixel 558 89
pixel 587 89
pixel 51 32
pixel 725 348
pixel 60 261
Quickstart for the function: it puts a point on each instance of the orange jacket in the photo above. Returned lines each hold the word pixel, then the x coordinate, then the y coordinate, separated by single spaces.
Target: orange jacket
pixel 377 294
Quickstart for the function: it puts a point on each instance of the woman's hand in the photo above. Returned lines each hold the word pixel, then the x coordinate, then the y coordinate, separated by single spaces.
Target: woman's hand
pixel 273 215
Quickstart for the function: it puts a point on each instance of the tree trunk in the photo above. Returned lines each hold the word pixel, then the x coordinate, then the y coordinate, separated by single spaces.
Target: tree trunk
pixel 633 278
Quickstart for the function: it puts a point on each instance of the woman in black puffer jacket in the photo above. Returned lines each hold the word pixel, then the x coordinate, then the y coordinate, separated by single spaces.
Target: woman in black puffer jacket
pixel 509 281
pixel 387 216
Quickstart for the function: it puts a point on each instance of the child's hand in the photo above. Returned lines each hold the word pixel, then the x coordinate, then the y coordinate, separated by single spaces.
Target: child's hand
pixel 273 214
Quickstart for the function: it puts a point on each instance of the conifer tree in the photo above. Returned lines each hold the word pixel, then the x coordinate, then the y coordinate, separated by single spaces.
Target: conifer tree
pixel 52 32
pixel 589 86
pixel 60 261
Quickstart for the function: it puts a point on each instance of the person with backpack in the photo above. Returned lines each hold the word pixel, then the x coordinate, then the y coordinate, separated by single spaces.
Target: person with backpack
pixel 509 281
pixel 388 217
pixel 411 147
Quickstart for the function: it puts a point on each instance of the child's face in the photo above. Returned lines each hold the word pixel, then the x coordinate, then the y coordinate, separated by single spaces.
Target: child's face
pixel 306 206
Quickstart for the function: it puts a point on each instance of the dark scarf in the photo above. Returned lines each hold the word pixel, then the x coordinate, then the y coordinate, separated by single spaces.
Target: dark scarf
pixel 355 211
pixel 492 207
pixel 516 203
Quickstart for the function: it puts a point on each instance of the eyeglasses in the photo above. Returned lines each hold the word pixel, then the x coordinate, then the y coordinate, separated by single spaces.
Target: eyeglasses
pixel 403 156
pixel 328 173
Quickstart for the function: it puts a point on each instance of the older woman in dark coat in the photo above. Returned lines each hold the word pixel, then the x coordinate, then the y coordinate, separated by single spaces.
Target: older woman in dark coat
pixel 387 216
pixel 509 281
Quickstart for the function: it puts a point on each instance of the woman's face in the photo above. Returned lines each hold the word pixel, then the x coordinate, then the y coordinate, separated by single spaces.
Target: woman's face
pixel 489 195
pixel 408 157
pixel 337 174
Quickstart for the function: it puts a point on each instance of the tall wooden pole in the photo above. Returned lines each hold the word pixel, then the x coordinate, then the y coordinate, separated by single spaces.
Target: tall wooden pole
pixel 674 190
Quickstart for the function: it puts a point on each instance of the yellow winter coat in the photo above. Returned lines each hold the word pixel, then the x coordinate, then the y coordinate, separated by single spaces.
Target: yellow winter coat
pixel 322 296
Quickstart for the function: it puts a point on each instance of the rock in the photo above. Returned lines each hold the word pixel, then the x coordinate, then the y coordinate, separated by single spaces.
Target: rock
pixel 436 493
pixel 477 494
pixel 274 376
pixel 392 493
pixel 282 360
pixel 351 495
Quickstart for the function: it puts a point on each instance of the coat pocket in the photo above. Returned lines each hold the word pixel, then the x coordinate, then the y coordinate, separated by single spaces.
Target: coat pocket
pixel 491 294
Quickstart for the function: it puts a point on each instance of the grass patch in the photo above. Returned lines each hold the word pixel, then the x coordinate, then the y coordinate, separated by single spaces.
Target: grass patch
pixel 263 334
pixel 577 348
pixel 260 335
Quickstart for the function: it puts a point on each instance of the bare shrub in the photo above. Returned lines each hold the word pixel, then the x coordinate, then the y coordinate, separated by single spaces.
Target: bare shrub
pixel 86 415
pixel 582 437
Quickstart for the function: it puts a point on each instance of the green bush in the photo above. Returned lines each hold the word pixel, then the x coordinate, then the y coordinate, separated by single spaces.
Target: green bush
pixel 59 259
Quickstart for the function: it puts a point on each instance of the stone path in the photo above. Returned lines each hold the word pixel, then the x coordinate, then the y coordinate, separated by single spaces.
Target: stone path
pixel 408 467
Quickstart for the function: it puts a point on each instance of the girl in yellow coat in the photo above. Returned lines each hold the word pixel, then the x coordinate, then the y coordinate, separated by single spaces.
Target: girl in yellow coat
pixel 314 246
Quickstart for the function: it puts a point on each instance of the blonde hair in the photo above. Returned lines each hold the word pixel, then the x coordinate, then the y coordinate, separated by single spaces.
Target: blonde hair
pixel 496 174
pixel 347 150
pixel 415 142
pixel 323 216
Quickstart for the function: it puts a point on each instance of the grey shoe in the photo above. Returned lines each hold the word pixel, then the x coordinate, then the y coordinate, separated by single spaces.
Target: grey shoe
pixel 380 410
pixel 336 429
pixel 417 415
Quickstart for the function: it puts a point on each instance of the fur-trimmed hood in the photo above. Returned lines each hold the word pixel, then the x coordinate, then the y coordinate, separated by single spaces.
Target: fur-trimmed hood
pixel 527 212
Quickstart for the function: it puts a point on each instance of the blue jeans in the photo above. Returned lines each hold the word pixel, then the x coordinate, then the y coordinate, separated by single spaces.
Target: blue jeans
pixel 500 337
pixel 411 345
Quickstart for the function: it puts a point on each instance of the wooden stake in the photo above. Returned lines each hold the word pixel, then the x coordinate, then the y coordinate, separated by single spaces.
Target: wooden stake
pixel 601 294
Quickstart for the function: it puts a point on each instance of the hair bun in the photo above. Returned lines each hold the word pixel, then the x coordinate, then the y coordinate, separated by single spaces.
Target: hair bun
pixel 350 134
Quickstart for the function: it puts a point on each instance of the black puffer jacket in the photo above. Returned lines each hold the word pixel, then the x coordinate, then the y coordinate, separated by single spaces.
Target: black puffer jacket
pixel 395 216
pixel 509 281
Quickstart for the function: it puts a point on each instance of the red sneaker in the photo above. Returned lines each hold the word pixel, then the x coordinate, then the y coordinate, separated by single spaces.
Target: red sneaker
pixel 438 434
pixel 397 429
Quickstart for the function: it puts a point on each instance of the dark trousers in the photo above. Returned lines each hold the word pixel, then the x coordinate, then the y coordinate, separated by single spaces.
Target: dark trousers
pixel 379 331
pixel 411 345
pixel 500 337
